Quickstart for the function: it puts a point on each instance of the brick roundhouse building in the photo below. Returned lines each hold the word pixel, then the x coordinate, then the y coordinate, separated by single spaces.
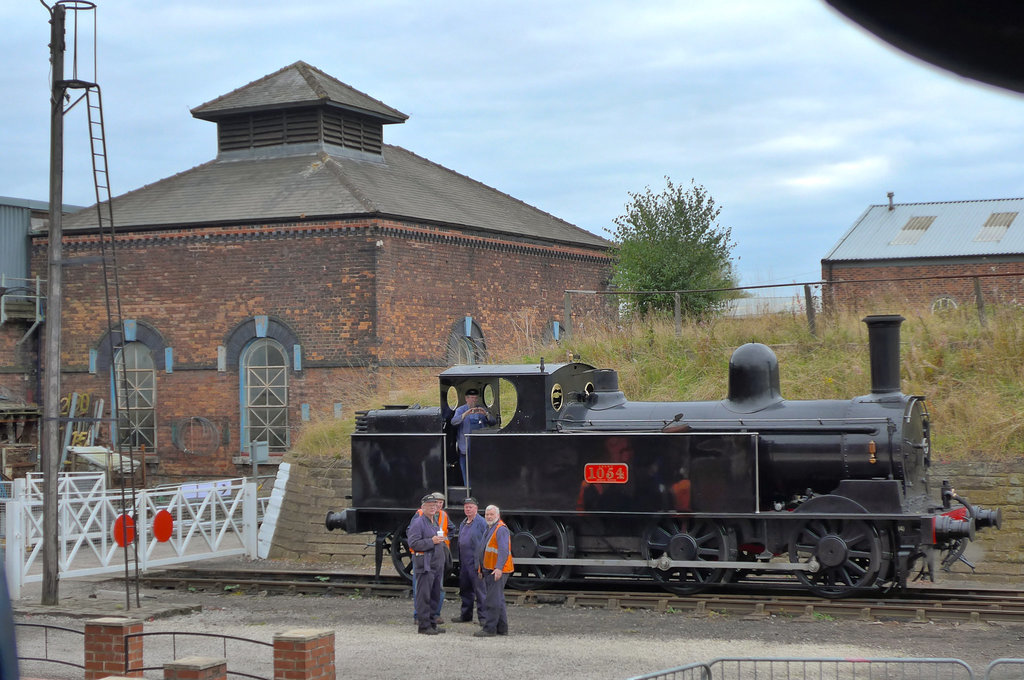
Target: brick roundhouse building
pixel 260 288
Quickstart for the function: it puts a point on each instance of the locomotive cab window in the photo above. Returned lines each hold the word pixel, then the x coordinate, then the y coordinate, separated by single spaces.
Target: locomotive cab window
pixel 497 396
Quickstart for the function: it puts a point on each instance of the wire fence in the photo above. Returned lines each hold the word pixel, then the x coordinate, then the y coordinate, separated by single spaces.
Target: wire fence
pixel 937 292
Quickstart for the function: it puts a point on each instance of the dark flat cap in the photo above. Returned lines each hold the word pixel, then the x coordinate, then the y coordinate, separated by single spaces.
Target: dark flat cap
pixel 470 499
pixel 429 498
pixel 472 390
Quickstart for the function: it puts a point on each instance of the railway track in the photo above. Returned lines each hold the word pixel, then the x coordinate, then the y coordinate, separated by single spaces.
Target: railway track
pixel 917 605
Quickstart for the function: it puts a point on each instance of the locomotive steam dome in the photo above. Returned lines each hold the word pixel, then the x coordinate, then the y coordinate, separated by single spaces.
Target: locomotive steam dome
pixel 753 378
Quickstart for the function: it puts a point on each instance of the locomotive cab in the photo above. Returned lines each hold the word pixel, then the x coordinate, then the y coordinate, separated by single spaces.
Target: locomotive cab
pixel 525 397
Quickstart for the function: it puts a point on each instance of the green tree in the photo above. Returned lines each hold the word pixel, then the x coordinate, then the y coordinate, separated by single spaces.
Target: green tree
pixel 671 241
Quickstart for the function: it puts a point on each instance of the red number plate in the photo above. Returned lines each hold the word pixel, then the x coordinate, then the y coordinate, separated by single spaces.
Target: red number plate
pixel 606 473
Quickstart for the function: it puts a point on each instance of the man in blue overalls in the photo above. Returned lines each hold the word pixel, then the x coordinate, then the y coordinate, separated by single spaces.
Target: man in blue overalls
pixel 471 587
pixel 468 417
pixel 426 542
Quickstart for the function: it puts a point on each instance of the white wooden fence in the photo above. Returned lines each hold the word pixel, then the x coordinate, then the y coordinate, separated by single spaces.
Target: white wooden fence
pixel 174 524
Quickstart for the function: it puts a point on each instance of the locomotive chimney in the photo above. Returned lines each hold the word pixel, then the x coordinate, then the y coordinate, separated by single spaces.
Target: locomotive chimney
pixel 884 348
pixel 891 206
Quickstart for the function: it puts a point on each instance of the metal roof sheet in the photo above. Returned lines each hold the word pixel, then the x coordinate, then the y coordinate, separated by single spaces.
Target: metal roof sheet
pixel 320 184
pixel 958 230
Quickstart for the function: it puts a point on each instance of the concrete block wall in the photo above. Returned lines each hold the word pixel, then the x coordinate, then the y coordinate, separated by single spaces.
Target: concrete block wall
pixel 317 486
pixel 998 555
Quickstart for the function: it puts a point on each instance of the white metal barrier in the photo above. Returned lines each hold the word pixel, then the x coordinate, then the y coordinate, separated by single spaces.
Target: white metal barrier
pixel 172 525
pixel 819 669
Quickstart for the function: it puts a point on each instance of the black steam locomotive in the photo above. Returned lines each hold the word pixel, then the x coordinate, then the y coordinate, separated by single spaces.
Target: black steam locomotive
pixel 691 494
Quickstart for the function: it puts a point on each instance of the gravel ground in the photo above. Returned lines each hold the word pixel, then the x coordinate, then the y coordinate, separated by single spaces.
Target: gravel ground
pixel 376 638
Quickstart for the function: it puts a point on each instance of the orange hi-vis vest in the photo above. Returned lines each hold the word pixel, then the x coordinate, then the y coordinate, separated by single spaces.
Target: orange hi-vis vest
pixel 491 552
pixel 442 524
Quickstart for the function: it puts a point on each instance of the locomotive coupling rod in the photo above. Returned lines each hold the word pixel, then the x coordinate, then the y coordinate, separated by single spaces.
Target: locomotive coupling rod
pixel 665 564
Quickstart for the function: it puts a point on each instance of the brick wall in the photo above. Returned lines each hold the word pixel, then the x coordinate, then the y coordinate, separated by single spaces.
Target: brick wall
pixel 870 296
pixel 298 654
pixel 17 362
pixel 356 295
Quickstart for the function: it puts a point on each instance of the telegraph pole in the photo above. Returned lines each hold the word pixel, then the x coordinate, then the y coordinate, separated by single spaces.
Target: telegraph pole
pixel 51 449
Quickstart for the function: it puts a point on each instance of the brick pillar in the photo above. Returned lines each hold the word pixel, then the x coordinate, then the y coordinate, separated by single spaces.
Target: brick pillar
pixel 304 654
pixel 105 649
pixel 196 668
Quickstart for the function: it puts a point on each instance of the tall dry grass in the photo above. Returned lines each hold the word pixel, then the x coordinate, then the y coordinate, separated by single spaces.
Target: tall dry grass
pixel 972 374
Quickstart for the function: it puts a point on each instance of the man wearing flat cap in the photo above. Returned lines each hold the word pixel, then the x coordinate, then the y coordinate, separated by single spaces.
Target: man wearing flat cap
pixel 444 523
pixel 471 532
pixel 427 544
pixel 468 417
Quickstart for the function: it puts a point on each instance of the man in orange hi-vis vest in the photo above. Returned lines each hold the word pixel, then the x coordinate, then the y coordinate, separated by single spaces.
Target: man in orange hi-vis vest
pixel 494 560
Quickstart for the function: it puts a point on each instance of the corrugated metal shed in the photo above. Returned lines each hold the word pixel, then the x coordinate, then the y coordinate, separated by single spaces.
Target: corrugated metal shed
pixel 926 230
pixel 15 223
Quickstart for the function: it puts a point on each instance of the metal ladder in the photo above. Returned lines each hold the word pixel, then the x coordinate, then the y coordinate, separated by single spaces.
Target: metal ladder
pixel 108 253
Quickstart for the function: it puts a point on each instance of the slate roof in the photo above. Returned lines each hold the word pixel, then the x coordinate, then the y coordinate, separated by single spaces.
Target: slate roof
pixel 956 231
pixel 321 185
pixel 296 85
pixel 322 181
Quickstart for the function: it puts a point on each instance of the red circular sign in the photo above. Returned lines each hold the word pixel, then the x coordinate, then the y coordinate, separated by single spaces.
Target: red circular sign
pixel 163 526
pixel 124 530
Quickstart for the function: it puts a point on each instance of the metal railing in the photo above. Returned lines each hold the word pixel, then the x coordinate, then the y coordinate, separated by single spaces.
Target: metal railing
pixel 1005 669
pixel 39 650
pixel 819 669
pixel 199 644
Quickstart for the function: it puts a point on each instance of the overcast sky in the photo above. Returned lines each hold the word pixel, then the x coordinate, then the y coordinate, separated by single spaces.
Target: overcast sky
pixel 793 118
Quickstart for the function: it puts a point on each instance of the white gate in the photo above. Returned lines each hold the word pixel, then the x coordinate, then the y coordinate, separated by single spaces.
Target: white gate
pixel 174 524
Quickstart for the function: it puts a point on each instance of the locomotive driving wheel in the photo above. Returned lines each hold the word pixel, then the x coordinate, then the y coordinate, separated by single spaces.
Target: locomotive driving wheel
pixel 539 537
pixel 401 556
pixel 849 551
pixel 682 538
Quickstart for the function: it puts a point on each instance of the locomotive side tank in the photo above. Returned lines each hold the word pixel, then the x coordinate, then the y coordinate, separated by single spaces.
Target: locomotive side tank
pixel 832 493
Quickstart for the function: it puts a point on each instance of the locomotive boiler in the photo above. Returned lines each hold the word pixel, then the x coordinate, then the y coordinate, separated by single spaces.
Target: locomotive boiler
pixel 829 494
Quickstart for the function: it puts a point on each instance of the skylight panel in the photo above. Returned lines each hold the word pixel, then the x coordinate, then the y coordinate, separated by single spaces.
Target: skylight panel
pixel 995 227
pixel 912 231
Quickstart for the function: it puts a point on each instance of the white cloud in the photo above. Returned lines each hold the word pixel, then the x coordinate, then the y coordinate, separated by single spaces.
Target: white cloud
pixel 842 174
pixel 793 118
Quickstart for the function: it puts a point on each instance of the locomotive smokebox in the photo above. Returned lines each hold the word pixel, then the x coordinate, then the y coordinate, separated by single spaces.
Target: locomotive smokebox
pixel 884 348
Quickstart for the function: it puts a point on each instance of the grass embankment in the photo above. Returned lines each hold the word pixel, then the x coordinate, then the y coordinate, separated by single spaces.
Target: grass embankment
pixel 971 374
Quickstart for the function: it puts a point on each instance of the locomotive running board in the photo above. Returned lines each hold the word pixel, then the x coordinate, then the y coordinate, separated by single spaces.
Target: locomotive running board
pixel 665 565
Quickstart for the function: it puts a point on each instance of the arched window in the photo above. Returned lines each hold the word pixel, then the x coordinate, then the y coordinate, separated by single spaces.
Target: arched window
pixel 466 344
pixel 264 373
pixel 135 386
